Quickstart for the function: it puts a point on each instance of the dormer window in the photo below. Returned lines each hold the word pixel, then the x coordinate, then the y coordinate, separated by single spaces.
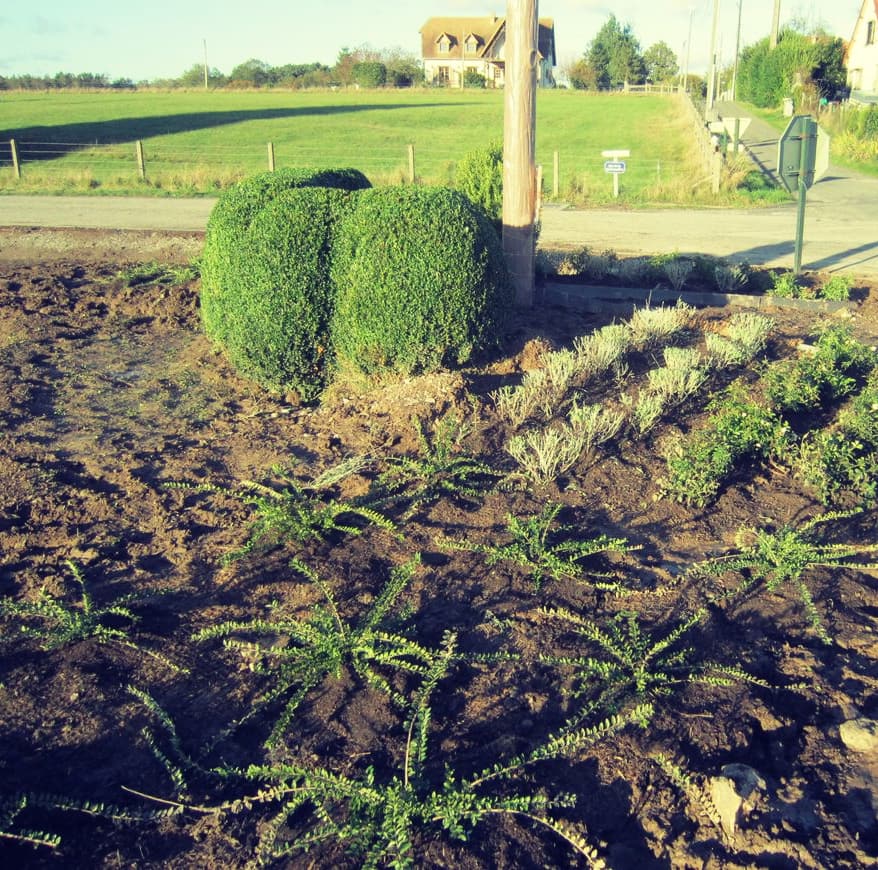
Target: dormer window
pixel 471 44
pixel 444 44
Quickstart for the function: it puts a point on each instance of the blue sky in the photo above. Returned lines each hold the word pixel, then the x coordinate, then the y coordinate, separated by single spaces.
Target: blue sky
pixel 161 38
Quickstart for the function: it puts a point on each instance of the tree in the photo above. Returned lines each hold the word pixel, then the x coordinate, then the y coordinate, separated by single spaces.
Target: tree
pixel 803 63
pixel 369 74
pixel 661 63
pixel 581 75
pixel 343 71
pixel 194 77
pixel 403 69
pixel 614 55
pixel 253 72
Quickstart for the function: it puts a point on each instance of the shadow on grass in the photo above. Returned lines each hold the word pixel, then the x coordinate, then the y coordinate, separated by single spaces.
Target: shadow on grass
pixel 53 142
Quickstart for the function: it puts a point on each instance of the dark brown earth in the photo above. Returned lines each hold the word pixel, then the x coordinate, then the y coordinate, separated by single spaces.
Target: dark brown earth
pixel 109 391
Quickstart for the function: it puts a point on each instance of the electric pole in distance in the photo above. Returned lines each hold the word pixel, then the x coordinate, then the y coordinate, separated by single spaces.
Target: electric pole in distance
pixel 775 25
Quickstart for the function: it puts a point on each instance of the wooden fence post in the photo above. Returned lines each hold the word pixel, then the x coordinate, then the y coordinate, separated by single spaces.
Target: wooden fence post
pixel 411 164
pixel 538 203
pixel 16 164
pixel 556 175
pixel 141 163
pixel 717 171
pixel 271 156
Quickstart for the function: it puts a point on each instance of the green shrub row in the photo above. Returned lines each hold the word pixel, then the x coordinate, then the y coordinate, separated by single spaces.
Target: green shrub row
pixel 845 458
pixel 739 429
pixel 305 272
pixel 794 391
pixel 837 366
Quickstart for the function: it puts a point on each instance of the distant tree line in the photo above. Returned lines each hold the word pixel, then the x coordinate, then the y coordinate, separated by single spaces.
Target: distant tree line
pixel 363 66
pixel 804 63
pixel 60 80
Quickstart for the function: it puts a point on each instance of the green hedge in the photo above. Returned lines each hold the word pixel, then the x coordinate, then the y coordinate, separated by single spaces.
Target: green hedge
pixel 420 279
pixel 266 295
pixel 480 176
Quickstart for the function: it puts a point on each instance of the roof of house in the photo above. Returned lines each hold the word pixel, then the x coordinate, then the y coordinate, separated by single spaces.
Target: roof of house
pixel 486 29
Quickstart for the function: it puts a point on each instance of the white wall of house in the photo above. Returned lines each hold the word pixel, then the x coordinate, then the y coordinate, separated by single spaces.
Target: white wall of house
pixel 493 73
pixel 862 57
pixel 454 70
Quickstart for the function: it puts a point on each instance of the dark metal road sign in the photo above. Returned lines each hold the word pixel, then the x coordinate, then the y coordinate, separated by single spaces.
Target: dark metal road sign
pixel 797 153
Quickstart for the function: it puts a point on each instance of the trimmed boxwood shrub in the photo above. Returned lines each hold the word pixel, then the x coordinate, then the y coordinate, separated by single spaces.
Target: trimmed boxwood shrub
pixel 420 278
pixel 266 294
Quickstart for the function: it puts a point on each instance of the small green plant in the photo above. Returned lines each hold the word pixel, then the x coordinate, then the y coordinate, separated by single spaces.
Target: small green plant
pixel 834 463
pixel 845 459
pixel 634 272
pixel 379 819
pixel 681 377
pixel 699 798
pixel 745 337
pixel 591 266
pixel 545 454
pixel 289 509
pixel 780 557
pixel 832 369
pixel 515 404
pixel 544 551
pixel 157 274
pixel 595 424
pixel 442 470
pixel 646 411
pixel 677 271
pixel 785 286
pixel 10 808
pixel 731 279
pixel 603 349
pixel 651 326
pixel 57 623
pixel 322 645
pixel 636 664
pixel 837 288
pixel 738 429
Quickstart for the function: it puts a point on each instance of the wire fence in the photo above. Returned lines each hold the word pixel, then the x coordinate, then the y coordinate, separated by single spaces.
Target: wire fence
pixel 171 165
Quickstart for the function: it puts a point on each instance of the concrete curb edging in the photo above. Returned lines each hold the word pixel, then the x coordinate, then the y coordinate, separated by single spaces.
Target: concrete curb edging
pixel 599 299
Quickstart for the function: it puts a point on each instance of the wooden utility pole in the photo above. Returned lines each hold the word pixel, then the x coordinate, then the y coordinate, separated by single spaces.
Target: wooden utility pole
pixel 519 146
pixel 711 77
pixel 775 25
pixel 688 51
pixel 737 56
pixel 205 65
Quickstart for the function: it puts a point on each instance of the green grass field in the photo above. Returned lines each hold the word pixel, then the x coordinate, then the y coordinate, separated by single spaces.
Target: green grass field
pixel 197 143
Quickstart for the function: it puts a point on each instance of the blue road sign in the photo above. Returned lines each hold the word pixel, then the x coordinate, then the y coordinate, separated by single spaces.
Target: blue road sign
pixel 615 166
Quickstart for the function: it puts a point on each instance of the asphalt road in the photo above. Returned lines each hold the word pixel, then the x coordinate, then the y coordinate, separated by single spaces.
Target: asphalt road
pixel 841 224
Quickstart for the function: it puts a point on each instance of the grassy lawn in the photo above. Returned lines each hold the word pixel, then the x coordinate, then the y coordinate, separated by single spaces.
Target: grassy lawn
pixel 197 143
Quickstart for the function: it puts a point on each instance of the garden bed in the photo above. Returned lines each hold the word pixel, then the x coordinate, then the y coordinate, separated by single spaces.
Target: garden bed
pixel 110 392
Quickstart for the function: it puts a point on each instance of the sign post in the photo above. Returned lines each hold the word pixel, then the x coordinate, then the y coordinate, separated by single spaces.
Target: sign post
pixel 615 166
pixel 802 158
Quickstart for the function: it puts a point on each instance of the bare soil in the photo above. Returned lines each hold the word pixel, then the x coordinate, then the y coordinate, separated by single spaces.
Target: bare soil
pixel 111 391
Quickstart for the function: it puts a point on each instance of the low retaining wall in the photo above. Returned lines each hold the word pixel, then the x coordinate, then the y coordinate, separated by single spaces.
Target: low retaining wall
pixel 593 298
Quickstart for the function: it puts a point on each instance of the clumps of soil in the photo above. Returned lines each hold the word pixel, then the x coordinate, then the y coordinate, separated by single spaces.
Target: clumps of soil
pixel 108 393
